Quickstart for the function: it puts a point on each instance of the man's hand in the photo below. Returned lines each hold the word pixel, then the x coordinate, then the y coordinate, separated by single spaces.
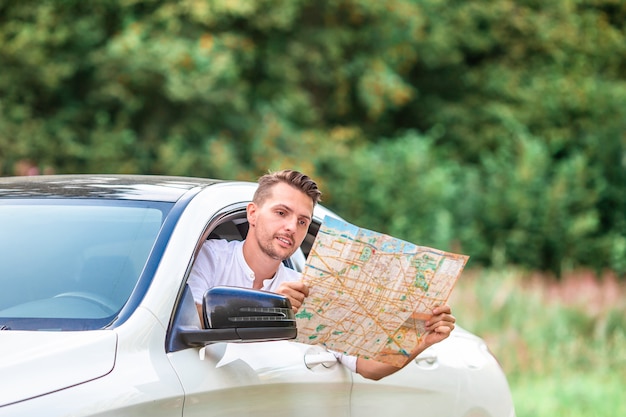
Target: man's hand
pixel 296 291
pixel 439 326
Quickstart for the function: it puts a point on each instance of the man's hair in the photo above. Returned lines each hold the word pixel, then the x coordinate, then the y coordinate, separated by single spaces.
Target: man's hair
pixel 294 178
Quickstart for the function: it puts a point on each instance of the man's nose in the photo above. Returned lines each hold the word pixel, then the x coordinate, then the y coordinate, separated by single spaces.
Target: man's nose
pixel 291 224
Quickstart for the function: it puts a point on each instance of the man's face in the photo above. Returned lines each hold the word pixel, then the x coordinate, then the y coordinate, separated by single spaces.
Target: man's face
pixel 280 224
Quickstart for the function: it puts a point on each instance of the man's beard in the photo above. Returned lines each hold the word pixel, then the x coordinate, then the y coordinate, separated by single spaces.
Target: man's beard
pixel 268 249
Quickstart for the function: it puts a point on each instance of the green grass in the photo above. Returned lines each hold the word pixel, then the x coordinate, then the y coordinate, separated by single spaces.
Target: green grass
pixel 561 344
pixel 572 394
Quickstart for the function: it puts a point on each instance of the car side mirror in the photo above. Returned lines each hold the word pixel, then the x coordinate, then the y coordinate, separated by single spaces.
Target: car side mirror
pixel 245 310
pixel 233 314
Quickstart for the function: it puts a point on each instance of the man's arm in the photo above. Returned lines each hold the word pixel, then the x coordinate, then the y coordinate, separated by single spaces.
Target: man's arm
pixel 439 326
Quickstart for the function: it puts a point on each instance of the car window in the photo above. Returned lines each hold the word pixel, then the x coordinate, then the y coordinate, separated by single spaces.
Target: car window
pixel 74 262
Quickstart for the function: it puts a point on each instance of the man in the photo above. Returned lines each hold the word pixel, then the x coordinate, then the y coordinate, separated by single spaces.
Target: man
pixel 279 217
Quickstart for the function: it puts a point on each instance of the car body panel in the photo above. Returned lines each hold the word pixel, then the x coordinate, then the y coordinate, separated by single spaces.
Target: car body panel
pixel 90 355
pixel 448 378
pixel 141 383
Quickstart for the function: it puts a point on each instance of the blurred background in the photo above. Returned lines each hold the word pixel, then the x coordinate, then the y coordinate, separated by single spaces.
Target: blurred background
pixel 493 128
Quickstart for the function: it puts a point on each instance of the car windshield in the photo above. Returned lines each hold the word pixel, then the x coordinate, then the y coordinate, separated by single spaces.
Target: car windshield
pixel 72 264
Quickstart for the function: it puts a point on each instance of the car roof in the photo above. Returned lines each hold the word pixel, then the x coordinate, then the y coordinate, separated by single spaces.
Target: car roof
pixel 124 187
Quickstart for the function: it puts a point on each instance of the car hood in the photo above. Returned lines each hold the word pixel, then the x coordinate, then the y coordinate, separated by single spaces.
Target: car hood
pixel 34 363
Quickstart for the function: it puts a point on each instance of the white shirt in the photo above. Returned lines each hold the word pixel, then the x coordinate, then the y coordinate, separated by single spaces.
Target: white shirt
pixel 221 262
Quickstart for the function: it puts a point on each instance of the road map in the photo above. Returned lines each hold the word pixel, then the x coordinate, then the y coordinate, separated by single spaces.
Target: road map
pixel 370 294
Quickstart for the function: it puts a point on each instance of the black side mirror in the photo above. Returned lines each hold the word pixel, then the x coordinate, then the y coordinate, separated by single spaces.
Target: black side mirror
pixel 246 309
pixel 233 314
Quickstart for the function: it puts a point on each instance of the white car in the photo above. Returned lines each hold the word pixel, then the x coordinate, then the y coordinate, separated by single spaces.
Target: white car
pixel 96 317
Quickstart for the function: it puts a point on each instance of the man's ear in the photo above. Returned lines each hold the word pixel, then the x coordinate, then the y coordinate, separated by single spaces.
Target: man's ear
pixel 251 214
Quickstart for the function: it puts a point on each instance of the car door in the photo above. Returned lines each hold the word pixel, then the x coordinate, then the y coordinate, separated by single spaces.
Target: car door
pixel 261 379
pixel 270 378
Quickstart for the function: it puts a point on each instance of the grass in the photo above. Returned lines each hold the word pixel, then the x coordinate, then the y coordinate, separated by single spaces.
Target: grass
pixel 561 343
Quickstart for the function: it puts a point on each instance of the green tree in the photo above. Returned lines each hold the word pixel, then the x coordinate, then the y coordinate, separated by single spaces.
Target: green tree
pixel 505 118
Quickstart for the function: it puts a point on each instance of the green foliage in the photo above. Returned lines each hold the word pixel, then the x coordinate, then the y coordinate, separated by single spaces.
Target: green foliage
pixel 403 187
pixel 570 394
pixel 560 344
pixel 538 208
pixel 495 128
